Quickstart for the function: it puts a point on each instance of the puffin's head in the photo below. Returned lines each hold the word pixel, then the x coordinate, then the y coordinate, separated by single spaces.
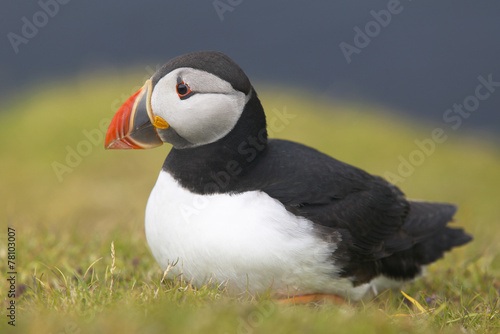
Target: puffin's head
pixel 194 99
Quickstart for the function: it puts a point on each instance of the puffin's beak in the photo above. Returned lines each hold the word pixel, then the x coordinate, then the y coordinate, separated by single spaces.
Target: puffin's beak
pixel 134 125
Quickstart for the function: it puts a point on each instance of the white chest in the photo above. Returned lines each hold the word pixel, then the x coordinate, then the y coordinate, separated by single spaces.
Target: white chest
pixel 249 241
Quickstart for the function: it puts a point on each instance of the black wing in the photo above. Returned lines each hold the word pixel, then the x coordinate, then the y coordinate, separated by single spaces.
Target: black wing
pixel 381 231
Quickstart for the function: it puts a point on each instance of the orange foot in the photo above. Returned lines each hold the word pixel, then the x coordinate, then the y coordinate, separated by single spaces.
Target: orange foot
pixel 314 298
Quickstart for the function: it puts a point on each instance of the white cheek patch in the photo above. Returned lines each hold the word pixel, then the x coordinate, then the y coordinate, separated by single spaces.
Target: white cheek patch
pixel 205 117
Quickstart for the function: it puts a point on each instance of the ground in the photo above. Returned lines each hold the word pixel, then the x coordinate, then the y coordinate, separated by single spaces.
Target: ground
pixel 82 263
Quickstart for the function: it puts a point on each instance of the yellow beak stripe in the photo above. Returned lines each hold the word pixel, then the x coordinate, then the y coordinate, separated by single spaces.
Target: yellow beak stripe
pixel 160 123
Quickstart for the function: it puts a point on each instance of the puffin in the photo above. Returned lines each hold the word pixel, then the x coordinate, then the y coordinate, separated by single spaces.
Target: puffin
pixel 234 208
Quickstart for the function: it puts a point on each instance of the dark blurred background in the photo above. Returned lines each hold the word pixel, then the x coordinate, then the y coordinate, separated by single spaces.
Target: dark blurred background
pixel 421 61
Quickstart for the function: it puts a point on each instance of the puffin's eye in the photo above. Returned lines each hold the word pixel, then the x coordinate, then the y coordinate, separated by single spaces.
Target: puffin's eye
pixel 183 90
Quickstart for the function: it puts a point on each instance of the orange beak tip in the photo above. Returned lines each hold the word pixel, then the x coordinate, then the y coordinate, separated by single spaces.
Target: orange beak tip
pixel 116 145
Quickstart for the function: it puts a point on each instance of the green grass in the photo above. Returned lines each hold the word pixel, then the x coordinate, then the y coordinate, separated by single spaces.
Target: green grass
pixel 69 282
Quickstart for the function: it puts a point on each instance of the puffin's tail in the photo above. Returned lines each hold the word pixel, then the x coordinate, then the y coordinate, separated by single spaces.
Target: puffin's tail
pixel 427 224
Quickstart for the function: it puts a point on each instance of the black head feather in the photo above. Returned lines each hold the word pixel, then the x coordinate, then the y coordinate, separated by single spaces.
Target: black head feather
pixel 212 62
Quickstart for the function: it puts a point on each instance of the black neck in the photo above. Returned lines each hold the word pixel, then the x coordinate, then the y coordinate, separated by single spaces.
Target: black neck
pixel 218 167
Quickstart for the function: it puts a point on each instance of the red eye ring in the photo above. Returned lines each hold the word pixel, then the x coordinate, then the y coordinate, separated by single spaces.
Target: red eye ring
pixel 183 90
